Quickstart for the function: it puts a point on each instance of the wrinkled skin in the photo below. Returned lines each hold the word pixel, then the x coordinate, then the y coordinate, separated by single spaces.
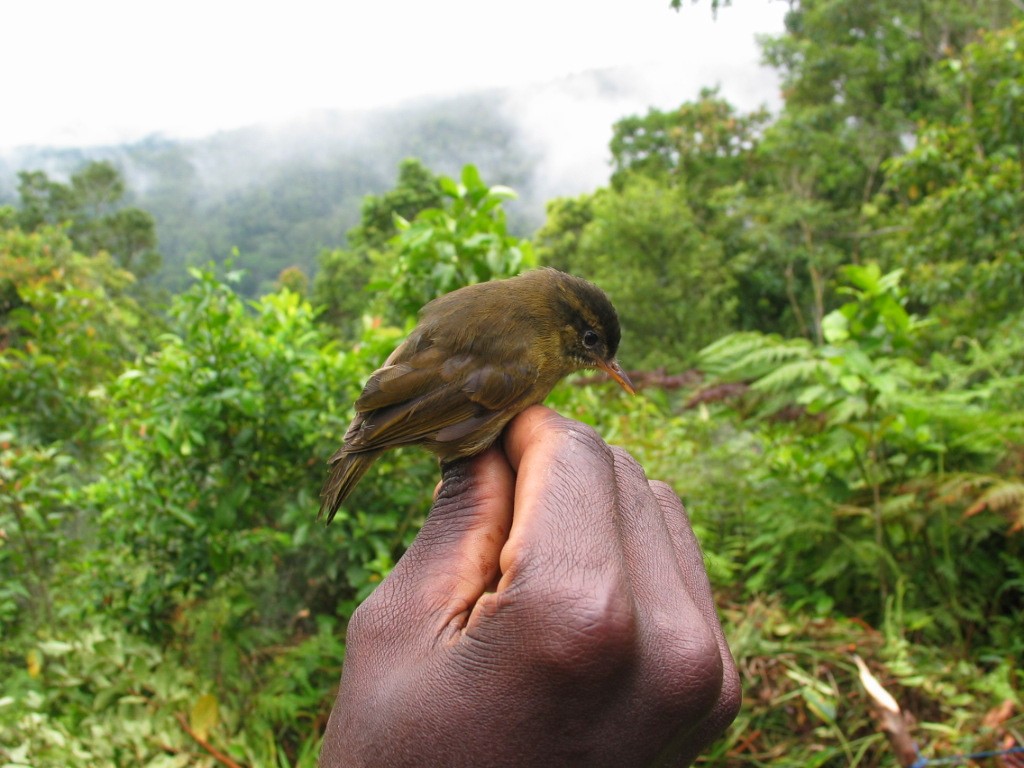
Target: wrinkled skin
pixel 579 631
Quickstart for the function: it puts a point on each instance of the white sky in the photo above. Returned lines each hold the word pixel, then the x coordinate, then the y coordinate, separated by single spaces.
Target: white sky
pixel 82 73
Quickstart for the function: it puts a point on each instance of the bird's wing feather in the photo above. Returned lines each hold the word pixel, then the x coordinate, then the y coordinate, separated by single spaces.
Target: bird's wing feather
pixel 408 373
pixel 496 387
pixel 417 399
pixel 409 422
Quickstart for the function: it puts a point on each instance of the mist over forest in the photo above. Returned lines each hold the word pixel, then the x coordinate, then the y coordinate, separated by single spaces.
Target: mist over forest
pixel 282 193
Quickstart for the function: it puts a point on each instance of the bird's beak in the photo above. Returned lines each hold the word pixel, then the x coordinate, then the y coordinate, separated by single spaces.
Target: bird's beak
pixel 613 369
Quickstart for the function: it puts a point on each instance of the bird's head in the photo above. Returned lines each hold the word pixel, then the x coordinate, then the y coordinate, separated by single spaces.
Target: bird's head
pixel 589 329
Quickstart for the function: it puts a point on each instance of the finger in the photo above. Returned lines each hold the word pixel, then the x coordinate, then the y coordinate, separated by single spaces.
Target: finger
pixel 650 557
pixel 691 562
pixel 683 662
pixel 564 496
pixel 454 558
pixel 562 584
pixel 685 546
pixel 688 553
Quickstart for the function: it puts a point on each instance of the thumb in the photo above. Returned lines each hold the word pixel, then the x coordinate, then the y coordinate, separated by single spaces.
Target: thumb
pixel 455 558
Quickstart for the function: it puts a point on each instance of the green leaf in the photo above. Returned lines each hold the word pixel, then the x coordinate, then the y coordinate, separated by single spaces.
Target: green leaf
pixel 55 647
pixel 471 178
pixel 503 193
pixel 204 716
pixel 449 186
pixel 835 328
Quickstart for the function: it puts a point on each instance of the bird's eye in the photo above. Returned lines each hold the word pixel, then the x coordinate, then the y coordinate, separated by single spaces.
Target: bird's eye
pixel 590 338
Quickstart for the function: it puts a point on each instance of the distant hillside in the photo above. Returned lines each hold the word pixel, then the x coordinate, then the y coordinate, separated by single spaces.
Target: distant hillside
pixel 282 193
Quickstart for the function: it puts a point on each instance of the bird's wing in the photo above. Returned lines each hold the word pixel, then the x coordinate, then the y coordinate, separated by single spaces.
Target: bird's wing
pixel 409 372
pixel 432 396
pixel 496 386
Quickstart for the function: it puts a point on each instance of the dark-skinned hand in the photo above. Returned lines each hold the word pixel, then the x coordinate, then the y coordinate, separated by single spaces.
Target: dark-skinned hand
pixel 553 611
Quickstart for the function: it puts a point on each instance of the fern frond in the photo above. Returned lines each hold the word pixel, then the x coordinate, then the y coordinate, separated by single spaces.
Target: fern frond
pixel 785 377
pixel 846 411
pixel 768 358
pixel 960 486
pixel 749 355
pixel 1003 497
pixel 721 356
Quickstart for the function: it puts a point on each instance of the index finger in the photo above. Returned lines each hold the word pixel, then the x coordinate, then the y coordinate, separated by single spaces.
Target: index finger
pixel 563 556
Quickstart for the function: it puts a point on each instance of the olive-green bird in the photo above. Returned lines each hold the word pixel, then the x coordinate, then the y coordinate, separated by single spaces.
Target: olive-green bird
pixel 479 356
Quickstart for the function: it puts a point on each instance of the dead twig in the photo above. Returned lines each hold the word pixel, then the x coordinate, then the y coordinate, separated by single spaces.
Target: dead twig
pixel 890 719
pixel 215 753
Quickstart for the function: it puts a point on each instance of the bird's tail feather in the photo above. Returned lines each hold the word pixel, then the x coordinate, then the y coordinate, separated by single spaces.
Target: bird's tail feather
pixel 346 470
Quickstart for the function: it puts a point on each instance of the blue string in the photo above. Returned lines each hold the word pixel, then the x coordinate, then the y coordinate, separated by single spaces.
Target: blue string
pixel 923 761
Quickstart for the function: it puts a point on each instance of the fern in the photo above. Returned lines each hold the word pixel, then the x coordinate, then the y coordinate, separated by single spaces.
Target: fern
pixel 1005 497
pixel 962 485
pixel 750 355
pixel 1002 496
pixel 846 411
pixel 794 373
pixel 762 361
pixel 722 355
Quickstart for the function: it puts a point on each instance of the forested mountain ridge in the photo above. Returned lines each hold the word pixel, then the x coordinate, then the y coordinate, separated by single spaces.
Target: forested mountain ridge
pixel 280 194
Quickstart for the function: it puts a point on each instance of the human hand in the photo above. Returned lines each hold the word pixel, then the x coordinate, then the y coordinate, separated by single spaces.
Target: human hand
pixel 578 631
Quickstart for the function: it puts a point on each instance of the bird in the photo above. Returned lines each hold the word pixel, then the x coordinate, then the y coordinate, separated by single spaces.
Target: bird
pixel 477 357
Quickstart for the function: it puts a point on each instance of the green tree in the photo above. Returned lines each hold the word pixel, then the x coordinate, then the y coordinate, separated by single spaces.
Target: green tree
pixel 42 201
pixel 91 205
pixel 463 242
pixel 857 78
pixel 66 325
pixel 417 189
pixel 703 145
pixel 668 280
pixel 344 273
pixel 956 200
pixel 713 156
pixel 558 241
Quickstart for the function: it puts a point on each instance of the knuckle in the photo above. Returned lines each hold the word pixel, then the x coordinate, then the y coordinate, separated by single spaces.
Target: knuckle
pixel 671 505
pixel 364 626
pixel 371 630
pixel 626 463
pixel 578 497
pixel 687 671
pixel 731 696
pixel 576 438
pixel 589 633
pixel 664 492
